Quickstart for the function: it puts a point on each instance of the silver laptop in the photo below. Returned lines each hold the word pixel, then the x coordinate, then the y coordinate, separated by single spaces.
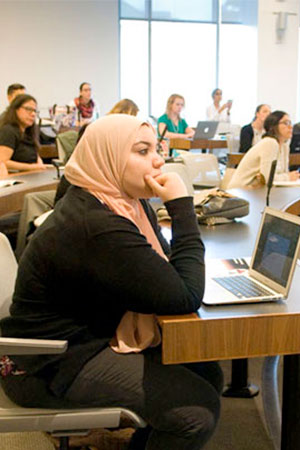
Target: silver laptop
pixel 205 130
pixel 271 268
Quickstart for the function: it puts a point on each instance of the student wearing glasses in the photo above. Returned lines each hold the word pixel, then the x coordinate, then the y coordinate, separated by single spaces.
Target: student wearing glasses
pixel 254 169
pixel 18 135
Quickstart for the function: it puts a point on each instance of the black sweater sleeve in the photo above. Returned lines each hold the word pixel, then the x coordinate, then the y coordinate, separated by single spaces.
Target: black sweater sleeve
pixel 142 280
pixel 246 138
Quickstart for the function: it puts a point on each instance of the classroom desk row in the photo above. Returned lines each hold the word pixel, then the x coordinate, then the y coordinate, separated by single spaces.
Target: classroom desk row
pixel 49 151
pixel 235 158
pixel 11 197
pixel 244 331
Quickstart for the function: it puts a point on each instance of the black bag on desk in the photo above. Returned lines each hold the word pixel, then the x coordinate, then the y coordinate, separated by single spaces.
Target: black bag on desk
pixel 219 206
pixel 214 206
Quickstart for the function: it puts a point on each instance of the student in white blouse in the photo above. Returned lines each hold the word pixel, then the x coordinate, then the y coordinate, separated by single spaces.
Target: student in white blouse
pixel 216 111
pixel 255 166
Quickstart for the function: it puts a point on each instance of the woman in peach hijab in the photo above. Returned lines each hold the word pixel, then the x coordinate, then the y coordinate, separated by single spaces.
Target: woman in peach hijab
pixel 96 273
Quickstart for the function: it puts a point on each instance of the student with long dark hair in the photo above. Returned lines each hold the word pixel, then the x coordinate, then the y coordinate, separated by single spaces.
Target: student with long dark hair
pixel 254 168
pixel 252 133
pixel 19 135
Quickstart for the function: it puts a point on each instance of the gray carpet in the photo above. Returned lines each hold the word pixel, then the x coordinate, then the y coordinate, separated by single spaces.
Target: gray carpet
pixel 241 426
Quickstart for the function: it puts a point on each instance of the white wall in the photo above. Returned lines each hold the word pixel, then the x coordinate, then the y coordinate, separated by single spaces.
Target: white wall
pixel 52 46
pixel 278 62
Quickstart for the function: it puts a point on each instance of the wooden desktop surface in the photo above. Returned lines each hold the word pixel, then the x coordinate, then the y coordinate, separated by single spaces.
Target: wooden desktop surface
pixel 235 158
pixel 241 331
pixel 188 144
pixel 11 198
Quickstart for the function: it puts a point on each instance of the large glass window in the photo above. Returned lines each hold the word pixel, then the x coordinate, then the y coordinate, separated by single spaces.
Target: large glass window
pixel 238 69
pixel 188 47
pixel 134 9
pixel 184 64
pixel 192 10
pixel 134 63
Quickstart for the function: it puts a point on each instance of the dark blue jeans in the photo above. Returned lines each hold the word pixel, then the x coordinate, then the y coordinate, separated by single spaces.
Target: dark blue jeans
pixel 179 403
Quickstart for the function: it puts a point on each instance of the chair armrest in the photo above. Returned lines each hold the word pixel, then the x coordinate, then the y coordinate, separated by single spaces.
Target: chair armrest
pixel 19 346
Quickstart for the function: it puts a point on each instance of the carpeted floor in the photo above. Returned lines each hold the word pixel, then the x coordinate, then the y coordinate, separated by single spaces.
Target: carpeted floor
pixel 241 426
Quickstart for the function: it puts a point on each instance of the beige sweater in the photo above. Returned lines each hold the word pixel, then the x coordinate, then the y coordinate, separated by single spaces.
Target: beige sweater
pixel 258 160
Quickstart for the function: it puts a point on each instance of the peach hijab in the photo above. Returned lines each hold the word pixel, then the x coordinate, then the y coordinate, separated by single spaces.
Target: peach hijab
pixel 97 165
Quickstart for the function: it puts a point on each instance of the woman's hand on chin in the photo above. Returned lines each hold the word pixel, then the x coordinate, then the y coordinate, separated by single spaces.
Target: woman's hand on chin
pixel 167 186
pixel 294 175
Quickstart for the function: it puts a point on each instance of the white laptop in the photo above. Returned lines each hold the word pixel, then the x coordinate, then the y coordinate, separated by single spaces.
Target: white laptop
pixel 272 265
pixel 205 130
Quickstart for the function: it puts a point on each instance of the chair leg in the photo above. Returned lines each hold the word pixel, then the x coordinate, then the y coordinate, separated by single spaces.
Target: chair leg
pixel 270 398
pixel 64 443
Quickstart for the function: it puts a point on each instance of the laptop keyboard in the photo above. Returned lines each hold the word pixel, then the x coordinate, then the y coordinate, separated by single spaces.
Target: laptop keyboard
pixel 242 287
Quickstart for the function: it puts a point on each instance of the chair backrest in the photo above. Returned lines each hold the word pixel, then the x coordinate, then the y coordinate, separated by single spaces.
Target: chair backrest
pixel 8 274
pixel 182 171
pixel 203 169
pixel 233 138
pixel 66 142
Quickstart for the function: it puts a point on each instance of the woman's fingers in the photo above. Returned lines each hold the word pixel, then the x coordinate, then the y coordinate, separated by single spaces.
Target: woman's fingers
pixel 167 186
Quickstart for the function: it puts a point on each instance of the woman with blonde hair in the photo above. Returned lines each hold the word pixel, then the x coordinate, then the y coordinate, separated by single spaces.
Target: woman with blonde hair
pixel 176 126
pixel 96 273
pixel 125 106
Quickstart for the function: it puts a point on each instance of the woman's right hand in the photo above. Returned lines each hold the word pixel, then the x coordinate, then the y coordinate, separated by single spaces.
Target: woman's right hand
pixel 294 175
pixel 167 186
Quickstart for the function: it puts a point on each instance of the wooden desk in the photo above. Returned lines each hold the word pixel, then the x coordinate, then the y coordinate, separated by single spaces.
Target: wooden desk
pixel 243 331
pixel 188 144
pixel 235 158
pixel 11 198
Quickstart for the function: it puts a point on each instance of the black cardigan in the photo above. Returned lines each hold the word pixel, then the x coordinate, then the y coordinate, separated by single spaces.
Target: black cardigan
pixel 246 138
pixel 85 266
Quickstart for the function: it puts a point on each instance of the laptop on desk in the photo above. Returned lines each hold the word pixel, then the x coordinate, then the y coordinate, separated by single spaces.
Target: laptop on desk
pixel 271 268
pixel 205 130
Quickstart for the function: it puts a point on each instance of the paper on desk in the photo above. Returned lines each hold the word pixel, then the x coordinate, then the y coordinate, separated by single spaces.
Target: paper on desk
pixel 287 183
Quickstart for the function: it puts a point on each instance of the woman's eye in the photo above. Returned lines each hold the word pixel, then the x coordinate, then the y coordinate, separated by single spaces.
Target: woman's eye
pixel 143 151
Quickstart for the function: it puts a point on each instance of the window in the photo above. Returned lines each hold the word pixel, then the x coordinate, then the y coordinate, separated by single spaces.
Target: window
pixel 180 46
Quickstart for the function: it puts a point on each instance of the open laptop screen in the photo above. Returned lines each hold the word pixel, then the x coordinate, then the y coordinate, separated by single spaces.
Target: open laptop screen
pixel 276 249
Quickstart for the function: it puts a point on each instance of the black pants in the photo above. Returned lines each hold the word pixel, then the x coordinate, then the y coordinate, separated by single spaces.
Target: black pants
pixel 180 403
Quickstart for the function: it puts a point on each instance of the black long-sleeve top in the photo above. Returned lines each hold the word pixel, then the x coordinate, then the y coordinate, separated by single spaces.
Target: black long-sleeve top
pixel 246 138
pixel 85 267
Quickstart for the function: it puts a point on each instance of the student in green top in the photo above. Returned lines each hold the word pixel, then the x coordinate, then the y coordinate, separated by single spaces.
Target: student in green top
pixel 176 126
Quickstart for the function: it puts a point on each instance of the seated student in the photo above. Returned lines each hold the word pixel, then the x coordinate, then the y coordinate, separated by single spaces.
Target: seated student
pixel 12 91
pixel 125 106
pixel 216 111
pixel 254 168
pixel 95 272
pixel 176 126
pixel 87 109
pixel 252 133
pixel 18 135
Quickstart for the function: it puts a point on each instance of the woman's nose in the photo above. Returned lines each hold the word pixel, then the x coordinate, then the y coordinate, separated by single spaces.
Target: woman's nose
pixel 158 161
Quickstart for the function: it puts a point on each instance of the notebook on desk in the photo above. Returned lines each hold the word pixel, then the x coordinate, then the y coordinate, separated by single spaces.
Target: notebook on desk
pixel 271 268
pixel 205 130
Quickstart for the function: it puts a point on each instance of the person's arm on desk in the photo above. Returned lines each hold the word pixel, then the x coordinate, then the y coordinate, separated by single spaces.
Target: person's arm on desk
pixel 189 132
pixel 5 155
